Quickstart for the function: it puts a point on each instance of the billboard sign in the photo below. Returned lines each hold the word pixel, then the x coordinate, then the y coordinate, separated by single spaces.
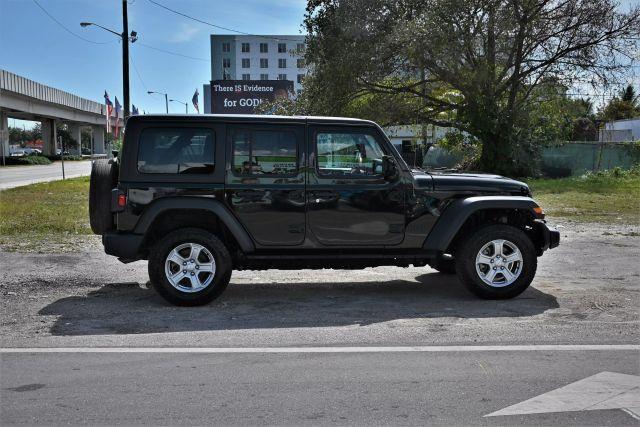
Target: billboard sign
pixel 243 96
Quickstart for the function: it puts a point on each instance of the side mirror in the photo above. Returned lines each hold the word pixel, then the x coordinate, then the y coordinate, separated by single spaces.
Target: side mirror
pixel 388 167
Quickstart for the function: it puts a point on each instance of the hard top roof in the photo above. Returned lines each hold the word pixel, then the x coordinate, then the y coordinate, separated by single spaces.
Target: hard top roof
pixel 250 117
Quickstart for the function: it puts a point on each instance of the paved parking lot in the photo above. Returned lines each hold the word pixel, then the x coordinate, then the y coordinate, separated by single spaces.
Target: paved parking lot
pixel 587 291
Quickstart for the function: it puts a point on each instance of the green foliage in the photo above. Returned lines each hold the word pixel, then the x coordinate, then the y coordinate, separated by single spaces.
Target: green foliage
pixel 462 146
pixel 487 68
pixel 623 106
pixel 18 136
pixel 27 160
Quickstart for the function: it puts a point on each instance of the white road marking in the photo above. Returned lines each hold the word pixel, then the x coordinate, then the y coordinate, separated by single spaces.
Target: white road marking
pixel 387 349
pixel 606 390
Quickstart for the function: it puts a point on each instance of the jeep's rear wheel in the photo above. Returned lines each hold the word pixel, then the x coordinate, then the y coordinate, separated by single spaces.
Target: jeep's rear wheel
pixel 497 262
pixel 104 177
pixel 190 267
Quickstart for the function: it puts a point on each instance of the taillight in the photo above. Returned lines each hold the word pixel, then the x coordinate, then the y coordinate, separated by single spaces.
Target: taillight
pixel 118 200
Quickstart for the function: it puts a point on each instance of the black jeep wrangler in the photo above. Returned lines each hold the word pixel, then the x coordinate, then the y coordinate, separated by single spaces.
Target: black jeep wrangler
pixel 200 196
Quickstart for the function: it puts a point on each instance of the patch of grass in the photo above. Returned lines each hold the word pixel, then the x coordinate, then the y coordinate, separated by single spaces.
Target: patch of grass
pixel 57 210
pixel 605 197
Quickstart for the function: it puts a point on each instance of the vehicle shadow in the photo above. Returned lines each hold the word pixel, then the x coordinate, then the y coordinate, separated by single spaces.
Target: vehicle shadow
pixel 133 308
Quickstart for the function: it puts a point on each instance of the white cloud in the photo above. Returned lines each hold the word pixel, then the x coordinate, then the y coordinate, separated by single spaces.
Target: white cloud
pixel 186 32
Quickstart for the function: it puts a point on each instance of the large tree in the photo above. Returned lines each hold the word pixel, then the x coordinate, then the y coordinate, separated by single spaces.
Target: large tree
pixel 475 65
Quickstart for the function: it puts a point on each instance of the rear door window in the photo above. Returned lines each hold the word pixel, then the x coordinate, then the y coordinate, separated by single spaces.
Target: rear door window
pixel 176 151
pixel 264 152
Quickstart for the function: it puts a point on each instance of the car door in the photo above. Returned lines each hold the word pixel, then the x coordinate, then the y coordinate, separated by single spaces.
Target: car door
pixel 264 181
pixel 349 201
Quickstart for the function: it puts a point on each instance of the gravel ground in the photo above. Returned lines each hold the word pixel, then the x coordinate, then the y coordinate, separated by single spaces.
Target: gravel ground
pixel 586 291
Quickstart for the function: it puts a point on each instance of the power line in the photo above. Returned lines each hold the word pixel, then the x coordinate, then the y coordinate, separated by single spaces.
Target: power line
pixel 65 28
pixel 214 25
pixel 172 53
pixel 138 73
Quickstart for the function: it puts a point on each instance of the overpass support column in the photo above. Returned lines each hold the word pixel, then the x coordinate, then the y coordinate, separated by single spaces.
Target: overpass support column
pixel 76 133
pixel 49 137
pixel 98 139
pixel 4 135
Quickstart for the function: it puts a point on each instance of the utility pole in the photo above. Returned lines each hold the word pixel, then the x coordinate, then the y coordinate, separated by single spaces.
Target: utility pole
pixel 125 58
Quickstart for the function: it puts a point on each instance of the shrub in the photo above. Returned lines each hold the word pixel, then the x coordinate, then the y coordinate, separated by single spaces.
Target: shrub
pixel 27 160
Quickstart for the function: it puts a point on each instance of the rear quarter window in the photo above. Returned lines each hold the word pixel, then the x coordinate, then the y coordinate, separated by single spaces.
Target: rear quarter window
pixel 176 151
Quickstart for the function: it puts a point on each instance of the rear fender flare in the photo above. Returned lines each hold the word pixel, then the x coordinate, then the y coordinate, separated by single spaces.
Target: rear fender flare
pixel 208 204
pixel 455 215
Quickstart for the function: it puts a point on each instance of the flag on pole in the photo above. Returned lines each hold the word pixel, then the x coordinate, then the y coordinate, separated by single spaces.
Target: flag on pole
pixel 109 108
pixel 194 100
pixel 134 110
pixel 118 108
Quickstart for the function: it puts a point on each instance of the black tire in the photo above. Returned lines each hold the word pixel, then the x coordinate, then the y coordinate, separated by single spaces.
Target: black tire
pixel 444 265
pixel 104 177
pixel 163 248
pixel 466 262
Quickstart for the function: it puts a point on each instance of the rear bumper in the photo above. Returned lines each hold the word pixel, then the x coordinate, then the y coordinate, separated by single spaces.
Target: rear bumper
pixel 125 246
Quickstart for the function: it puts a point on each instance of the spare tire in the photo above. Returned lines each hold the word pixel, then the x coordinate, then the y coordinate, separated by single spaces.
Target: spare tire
pixel 104 177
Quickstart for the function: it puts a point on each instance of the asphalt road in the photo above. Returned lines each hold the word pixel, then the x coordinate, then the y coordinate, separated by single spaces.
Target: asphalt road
pixel 451 388
pixel 17 176
pixel 587 292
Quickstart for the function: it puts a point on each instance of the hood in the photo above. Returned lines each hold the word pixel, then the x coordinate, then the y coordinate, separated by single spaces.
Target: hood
pixel 473 182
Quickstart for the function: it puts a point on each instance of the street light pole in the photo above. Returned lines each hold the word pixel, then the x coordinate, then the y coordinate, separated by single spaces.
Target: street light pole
pixel 125 58
pixel 186 105
pixel 166 99
pixel 125 53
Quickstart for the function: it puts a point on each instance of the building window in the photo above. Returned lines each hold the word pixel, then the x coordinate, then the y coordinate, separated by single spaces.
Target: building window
pixel 300 78
pixel 226 47
pixel 282 77
pixel 282 63
pixel 264 76
pixel 264 63
pixel 300 63
pixel 282 47
pixel 246 77
pixel 245 48
pixel 300 47
pixel 246 63
pixel 264 47
pixel 226 63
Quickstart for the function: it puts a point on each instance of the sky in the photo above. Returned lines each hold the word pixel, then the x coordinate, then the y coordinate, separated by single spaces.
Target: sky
pixel 34 46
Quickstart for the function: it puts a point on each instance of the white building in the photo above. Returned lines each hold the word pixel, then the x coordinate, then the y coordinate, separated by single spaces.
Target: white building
pixel 621 130
pixel 256 57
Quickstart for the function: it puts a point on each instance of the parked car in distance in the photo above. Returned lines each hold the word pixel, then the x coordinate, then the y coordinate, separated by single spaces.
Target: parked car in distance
pixel 201 196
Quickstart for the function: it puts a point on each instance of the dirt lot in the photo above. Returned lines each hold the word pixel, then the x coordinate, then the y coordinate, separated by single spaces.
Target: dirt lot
pixel 586 291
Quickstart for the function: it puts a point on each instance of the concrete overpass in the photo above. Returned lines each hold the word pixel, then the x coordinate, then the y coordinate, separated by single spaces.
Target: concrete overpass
pixel 25 99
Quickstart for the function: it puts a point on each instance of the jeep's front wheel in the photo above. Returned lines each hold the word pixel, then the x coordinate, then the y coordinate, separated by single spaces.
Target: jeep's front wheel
pixel 497 262
pixel 190 267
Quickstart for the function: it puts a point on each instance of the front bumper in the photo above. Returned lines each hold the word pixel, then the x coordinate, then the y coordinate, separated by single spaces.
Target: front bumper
pixel 549 238
pixel 126 246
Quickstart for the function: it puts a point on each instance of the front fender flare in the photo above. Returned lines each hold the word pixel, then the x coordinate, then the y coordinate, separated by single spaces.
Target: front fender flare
pixel 455 215
pixel 204 203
